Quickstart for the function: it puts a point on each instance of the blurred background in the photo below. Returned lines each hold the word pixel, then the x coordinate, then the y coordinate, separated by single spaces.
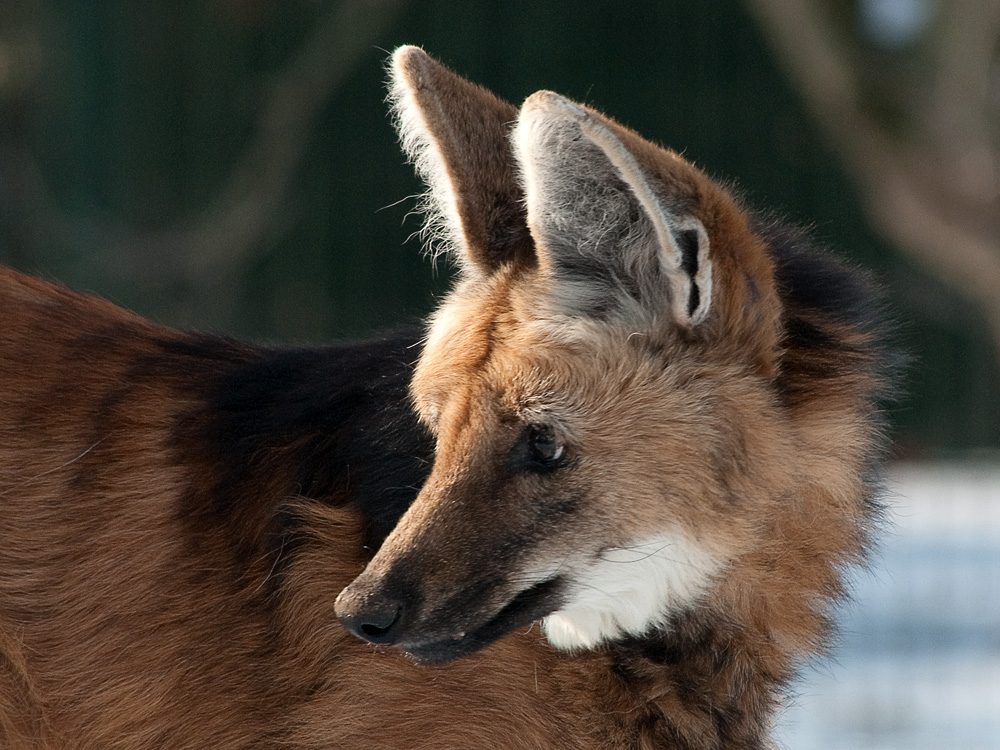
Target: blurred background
pixel 228 165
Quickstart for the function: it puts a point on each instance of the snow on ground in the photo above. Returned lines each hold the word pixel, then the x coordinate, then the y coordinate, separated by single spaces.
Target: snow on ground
pixel 918 663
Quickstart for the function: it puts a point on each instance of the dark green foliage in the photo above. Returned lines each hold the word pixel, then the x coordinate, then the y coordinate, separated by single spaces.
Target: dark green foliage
pixel 141 110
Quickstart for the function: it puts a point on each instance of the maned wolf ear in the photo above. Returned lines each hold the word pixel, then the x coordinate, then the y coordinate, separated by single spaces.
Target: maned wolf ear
pixel 458 136
pixel 604 226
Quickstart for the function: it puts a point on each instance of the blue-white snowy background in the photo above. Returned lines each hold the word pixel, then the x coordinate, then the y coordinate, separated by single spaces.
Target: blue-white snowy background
pixel 918 663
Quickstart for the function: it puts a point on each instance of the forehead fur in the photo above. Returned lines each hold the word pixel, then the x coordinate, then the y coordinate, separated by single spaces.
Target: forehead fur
pixel 621 408
pixel 622 391
pixel 508 327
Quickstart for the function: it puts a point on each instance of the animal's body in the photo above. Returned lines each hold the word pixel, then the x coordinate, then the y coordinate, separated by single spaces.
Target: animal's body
pixel 674 491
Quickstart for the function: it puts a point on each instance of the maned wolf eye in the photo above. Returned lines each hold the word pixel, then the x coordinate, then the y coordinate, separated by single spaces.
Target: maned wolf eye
pixel 544 451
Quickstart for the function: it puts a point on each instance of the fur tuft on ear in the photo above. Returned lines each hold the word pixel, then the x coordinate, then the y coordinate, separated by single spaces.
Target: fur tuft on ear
pixel 442 227
pixel 602 226
pixel 457 136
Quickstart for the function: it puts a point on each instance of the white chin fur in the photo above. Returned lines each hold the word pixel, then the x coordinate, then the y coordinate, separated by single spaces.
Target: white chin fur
pixel 629 590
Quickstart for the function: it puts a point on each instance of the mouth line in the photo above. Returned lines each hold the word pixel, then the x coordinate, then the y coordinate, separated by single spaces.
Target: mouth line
pixel 529 605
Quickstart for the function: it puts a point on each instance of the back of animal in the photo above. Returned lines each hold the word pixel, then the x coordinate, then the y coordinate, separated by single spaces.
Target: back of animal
pixel 154 486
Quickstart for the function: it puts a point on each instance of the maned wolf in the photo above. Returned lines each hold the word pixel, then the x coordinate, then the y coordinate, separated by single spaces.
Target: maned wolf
pixel 656 422
pixel 656 431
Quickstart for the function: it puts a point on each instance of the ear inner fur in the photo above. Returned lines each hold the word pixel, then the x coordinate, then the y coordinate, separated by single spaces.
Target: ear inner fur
pixel 457 134
pixel 683 285
pixel 579 209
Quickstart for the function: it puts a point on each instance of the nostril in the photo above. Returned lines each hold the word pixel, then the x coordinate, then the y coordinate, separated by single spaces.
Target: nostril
pixel 370 618
pixel 379 627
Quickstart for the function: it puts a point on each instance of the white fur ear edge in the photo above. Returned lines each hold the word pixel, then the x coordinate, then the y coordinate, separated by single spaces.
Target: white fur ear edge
pixel 682 284
pixel 442 232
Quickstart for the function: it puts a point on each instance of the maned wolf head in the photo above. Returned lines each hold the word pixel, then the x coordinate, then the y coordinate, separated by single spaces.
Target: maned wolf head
pixel 624 429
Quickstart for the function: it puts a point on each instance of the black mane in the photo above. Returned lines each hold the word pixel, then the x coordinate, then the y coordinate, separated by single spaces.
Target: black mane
pixel 334 424
pixel 836 324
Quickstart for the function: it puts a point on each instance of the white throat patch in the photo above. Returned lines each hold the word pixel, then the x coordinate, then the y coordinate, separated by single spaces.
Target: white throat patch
pixel 628 590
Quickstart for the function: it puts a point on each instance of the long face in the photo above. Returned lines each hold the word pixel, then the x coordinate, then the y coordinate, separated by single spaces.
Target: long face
pixel 598 409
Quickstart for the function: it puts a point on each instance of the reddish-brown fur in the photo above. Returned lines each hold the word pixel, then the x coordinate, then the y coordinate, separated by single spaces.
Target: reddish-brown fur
pixel 139 610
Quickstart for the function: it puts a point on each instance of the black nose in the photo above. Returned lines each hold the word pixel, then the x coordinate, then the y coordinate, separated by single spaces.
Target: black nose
pixel 371 619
